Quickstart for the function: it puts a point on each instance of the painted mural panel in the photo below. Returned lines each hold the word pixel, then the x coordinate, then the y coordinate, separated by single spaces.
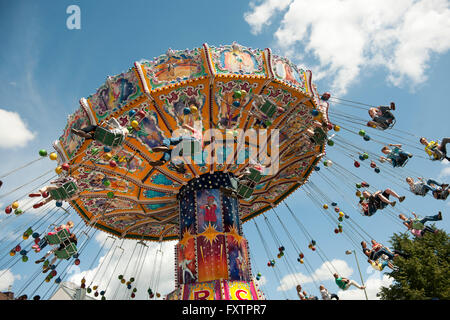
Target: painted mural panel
pixel 174 66
pixel 239 268
pixel 186 270
pixel 209 210
pixel 237 59
pixel 70 141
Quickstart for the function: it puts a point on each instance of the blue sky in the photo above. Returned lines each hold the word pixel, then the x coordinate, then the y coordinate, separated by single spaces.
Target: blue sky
pixel 372 54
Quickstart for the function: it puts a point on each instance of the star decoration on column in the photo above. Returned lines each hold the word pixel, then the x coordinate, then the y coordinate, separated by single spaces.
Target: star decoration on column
pixel 186 237
pixel 235 234
pixel 210 233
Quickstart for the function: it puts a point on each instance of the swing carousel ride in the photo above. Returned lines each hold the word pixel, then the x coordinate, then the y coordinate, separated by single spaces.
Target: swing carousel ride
pixel 258 107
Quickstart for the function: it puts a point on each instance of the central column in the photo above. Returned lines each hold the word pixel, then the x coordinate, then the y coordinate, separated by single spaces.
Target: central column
pixel 212 258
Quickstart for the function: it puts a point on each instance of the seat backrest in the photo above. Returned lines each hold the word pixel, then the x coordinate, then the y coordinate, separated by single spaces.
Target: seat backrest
pixel 244 191
pixel 255 175
pixel 70 188
pixel 319 136
pixel 58 237
pixel 58 194
pixel 268 109
pixel 53 239
pixel 67 252
pixel 108 138
pixel 389 126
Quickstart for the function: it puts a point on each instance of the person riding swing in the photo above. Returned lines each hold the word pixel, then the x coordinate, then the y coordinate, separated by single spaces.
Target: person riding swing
pixel 63 188
pixel 112 137
pixel 436 150
pixel 382 117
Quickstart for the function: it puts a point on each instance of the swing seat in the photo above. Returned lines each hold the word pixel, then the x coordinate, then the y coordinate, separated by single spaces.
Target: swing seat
pixel 58 238
pixel 319 136
pixel 361 211
pixel 67 252
pixel 108 138
pixel 64 192
pixel 388 127
pixel 255 176
pixel 244 191
pixel 384 257
pixel 402 165
pixel 268 109
pixel 436 156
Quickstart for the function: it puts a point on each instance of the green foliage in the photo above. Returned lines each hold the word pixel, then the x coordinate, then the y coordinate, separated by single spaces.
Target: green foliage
pixel 425 274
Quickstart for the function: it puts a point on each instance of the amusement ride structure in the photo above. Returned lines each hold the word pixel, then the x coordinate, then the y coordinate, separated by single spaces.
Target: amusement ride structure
pixel 258 129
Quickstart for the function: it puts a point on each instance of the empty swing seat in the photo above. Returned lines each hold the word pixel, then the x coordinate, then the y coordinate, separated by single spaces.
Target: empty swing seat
pixel 268 109
pixel 244 191
pixel 255 176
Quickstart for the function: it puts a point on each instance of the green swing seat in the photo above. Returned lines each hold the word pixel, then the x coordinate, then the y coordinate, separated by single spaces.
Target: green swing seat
pixel 67 252
pixel 58 237
pixel 246 191
pixel 268 109
pixel 319 136
pixel 64 192
pixel 108 138
pixel 255 176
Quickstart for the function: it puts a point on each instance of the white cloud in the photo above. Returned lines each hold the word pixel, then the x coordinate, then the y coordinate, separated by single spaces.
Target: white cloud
pixel 323 273
pixel 374 280
pixel 7 279
pixel 262 281
pixel 262 13
pixel 107 270
pixel 13 130
pixel 347 36
pixel 445 172
pixel 373 286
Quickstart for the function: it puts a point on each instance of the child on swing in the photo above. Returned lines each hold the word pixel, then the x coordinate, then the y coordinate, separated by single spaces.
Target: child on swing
pixel 417 226
pixel 316 135
pixel 89 131
pixel 72 239
pixel 382 116
pixel 55 184
pixel 326 295
pixel 396 156
pixel 344 283
pixel 378 200
pixel 43 243
pixel 436 150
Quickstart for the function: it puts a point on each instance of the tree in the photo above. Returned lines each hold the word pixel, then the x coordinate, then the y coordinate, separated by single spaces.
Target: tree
pixel 425 274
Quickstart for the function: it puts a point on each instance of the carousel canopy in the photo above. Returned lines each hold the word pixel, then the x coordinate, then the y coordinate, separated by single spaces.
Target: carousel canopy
pixel 227 88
